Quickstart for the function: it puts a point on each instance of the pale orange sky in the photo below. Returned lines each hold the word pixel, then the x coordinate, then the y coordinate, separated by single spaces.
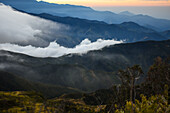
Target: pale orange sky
pixel 98 3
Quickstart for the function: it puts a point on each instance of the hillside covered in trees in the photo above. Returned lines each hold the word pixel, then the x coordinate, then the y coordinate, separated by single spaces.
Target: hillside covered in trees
pixel 123 78
pixel 83 72
pixel 127 78
pixel 62 58
pixel 152 95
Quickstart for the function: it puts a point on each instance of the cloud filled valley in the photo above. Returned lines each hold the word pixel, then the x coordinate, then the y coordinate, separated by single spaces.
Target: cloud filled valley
pixel 65 58
pixel 55 50
pixel 23 33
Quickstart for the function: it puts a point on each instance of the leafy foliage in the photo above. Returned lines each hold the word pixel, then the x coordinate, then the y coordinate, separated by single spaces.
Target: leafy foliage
pixel 24 102
pixel 154 104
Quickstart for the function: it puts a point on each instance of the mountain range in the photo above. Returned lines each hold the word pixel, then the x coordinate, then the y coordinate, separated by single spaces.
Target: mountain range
pixel 67 58
pixel 93 30
pixel 64 10
pixel 67 31
pixel 85 72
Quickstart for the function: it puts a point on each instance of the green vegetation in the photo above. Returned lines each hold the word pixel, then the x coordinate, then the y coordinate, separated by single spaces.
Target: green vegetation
pixel 19 101
pixel 154 104
pixel 31 102
pixel 88 72
pixel 150 96
pixel 70 79
pixel 10 82
pixel 126 97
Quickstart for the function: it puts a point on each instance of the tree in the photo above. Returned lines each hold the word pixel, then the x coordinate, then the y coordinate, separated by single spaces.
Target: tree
pixel 158 76
pixel 128 78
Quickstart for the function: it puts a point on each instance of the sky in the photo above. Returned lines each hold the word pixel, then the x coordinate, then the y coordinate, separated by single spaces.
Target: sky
pixel 155 8
pixel 101 3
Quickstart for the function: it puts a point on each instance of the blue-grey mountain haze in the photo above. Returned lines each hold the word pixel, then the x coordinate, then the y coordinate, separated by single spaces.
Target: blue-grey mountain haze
pixel 162 12
pixel 32 6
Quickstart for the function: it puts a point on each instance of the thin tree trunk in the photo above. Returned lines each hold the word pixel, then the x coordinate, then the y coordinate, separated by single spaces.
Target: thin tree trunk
pixel 131 94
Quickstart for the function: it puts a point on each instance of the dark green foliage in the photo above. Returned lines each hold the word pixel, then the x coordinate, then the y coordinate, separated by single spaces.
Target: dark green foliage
pixel 129 77
pixel 105 100
pixel 156 83
pixel 153 104
pixel 31 102
pixel 50 71
pixel 120 56
pixel 158 77
pixel 10 82
pixel 99 97
pixel 72 96
pixel 13 99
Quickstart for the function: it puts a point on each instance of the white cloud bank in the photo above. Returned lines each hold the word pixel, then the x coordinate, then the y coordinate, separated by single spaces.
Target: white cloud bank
pixel 21 28
pixel 55 50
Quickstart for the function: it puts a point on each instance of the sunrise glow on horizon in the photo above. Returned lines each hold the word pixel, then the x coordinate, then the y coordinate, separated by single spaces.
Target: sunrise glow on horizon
pixel 101 3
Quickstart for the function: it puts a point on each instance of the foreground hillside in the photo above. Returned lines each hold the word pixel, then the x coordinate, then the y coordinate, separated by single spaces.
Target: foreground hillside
pixel 120 84
pixel 10 82
pixel 24 102
pixel 147 97
pixel 86 72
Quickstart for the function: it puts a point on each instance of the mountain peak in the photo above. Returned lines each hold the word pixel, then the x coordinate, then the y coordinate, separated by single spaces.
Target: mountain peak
pixel 130 23
pixel 127 13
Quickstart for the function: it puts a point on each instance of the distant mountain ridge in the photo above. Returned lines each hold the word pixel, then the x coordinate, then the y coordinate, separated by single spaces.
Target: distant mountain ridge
pixel 32 6
pixel 126 13
pixel 67 31
pixel 166 34
pixel 93 30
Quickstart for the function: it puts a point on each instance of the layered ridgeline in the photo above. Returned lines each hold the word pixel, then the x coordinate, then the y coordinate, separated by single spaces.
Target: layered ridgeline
pixel 93 30
pixel 41 29
pixel 87 72
pixel 32 6
pixel 166 34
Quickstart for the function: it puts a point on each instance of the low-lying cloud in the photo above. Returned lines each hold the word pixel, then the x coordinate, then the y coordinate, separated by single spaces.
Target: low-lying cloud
pixel 21 28
pixel 55 50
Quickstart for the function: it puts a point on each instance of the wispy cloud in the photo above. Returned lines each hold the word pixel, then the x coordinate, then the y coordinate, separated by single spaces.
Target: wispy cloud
pixel 21 28
pixel 55 50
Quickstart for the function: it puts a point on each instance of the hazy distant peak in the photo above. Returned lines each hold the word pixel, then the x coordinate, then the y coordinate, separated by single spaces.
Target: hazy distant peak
pixel 127 13
pixel 43 3
pixel 68 5
pixel 83 12
pixel 130 23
